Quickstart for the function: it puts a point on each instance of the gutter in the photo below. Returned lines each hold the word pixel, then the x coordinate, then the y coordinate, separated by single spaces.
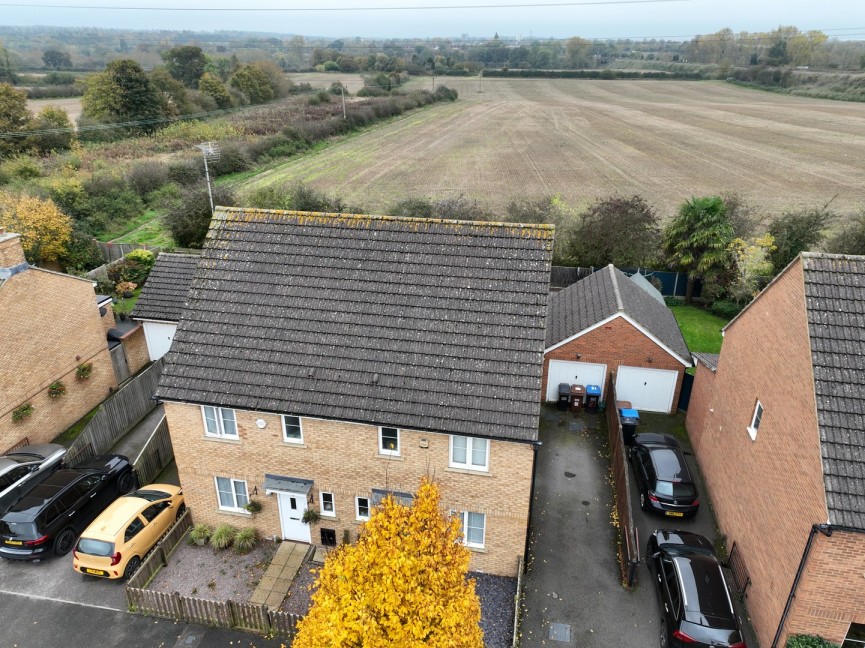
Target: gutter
pixel 826 530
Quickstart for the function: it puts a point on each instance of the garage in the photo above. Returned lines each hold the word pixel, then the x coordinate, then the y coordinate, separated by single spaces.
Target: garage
pixel 649 390
pixel 574 373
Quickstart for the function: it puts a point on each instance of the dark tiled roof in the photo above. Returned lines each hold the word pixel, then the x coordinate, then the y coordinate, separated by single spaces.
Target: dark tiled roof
pixel 708 359
pixel 164 294
pixel 422 324
pixel 605 293
pixel 835 302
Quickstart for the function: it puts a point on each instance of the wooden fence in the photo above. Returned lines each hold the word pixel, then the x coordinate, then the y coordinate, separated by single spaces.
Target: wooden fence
pixel 120 363
pixel 115 251
pixel 158 557
pixel 517 599
pixel 156 454
pixel 117 415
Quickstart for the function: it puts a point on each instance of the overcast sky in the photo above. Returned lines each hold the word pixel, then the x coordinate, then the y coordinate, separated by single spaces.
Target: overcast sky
pixel 656 19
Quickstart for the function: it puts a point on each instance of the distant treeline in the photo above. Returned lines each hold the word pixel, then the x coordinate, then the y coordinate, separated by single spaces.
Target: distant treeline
pixel 606 73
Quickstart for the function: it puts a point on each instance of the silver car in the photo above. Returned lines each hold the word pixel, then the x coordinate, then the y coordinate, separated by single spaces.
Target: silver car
pixel 25 467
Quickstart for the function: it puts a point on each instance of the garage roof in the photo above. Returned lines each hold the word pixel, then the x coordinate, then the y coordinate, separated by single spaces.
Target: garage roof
pixel 416 323
pixel 607 293
pixel 164 294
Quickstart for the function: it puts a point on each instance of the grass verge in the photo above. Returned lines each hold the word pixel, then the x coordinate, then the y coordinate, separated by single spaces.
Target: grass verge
pixel 72 433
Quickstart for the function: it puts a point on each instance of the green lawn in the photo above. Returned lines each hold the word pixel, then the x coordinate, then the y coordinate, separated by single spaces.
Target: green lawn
pixel 152 232
pixel 701 329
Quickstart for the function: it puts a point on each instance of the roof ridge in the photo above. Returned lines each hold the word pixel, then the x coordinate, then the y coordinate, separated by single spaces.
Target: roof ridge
pixel 830 255
pixel 221 212
pixel 616 292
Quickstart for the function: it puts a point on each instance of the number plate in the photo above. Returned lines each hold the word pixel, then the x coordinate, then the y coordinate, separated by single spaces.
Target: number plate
pixel 14 543
pixel 95 572
pixel 674 513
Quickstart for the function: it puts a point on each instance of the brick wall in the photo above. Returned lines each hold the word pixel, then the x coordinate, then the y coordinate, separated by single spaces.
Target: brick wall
pixel 49 324
pixel 615 343
pixel 11 252
pixel 768 492
pixel 699 405
pixel 135 346
pixel 342 458
pixel 831 594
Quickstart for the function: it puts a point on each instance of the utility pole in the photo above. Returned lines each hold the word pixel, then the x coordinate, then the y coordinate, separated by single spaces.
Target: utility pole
pixel 342 92
pixel 434 82
pixel 210 151
pixel 480 81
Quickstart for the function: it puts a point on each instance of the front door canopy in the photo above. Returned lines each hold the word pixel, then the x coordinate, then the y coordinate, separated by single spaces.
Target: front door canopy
pixel 279 483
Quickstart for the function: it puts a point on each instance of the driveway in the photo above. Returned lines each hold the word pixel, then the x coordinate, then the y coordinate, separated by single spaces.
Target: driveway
pixel 572 576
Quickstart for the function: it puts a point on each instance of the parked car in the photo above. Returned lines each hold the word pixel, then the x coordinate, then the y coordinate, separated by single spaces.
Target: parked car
pixel 50 515
pixel 696 609
pixel 116 542
pixel 25 467
pixel 663 479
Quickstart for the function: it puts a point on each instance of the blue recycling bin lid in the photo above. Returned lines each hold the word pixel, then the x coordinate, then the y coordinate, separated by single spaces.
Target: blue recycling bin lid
pixel 628 420
pixel 593 390
pixel 630 413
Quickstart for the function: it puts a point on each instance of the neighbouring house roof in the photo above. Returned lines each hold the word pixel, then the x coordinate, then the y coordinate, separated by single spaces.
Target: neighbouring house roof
pixel 646 285
pixel 835 304
pixel 708 359
pixel 602 295
pixel 165 292
pixel 422 324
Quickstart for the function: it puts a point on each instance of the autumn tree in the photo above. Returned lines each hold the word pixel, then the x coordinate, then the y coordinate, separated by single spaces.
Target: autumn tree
pixel 45 230
pixel 214 88
pixel 14 118
pixel 402 584
pixel 254 83
pixel 697 240
pixel 798 231
pixel 52 131
pixel 749 263
pixel 56 60
pixel 122 93
pixel 171 92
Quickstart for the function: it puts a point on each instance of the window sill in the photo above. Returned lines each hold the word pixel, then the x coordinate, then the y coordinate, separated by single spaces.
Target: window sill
pixel 217 439
pixel 237 512
pixel 468 471
pixel 359 522
pixel 330 518
pixel 293 444
pixel 480 550
pixel 391 457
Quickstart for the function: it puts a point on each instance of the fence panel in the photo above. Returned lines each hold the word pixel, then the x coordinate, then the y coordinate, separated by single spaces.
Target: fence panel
pixel 120 363
pixel 157 454
pixel 154 603
pixel 283 624
pixel 120 413
pixel 158 558
pixel 115 251
pixel 250 617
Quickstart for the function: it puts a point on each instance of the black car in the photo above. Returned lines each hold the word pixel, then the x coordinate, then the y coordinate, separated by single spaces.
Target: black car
pixel 696 609
pixel 663 479
pixel 50 516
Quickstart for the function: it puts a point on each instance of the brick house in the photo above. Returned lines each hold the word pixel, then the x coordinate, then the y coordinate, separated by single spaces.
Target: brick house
pixel 605 323
pixel 161 301
pixel 776 422
pixel 50 323
pixel 324 360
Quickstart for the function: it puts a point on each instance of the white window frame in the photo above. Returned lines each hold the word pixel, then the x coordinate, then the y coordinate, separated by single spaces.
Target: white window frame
pixel 325 512
pixel 357 514
pixel 285 436
pixel 468 465
pixel 220 426
pixel 464 519
pixel 233 482
pixel 756 420
pixel 385 451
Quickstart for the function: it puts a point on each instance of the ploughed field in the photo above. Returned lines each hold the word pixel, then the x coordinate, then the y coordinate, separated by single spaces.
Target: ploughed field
pixel 581 139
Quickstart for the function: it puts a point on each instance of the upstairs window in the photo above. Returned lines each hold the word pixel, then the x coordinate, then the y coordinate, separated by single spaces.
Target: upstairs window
pixel 755 421
pixel 219 422
pixel 291 429
pixel 361 508
pixel 474 528
pixel 388 441
pixel 470 453
pixel 327 506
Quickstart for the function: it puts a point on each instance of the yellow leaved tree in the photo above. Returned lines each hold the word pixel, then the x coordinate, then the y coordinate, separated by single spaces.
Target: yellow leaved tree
pixel 45 230
pixel 403 584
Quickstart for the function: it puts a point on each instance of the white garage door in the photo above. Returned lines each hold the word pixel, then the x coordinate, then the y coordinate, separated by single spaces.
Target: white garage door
pixel 650 390
pixel 574 373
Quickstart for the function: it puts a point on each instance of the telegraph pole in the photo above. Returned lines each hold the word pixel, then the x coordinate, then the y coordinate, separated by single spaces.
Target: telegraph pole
pixel 342 92
pixel 210 151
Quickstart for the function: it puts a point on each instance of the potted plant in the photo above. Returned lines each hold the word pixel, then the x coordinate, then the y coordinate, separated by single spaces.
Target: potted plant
pixel 125 289
pixel 254 506
pixel 56 389
pixel 84 370
pixel 22 412
pixel 310 516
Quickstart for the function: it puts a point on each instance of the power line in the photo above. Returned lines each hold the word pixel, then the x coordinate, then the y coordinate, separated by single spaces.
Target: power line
pixel 515 5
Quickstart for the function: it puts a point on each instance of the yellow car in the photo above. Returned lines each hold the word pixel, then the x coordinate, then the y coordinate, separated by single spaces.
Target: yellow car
pixel 116 542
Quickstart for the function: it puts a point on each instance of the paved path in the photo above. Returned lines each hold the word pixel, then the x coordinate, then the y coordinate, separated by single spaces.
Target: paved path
pixel 280 574
pixel 572 577
pixel 133 442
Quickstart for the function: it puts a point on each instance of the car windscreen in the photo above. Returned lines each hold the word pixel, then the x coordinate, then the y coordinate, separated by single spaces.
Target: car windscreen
pixel 675 489
pixel 705 590
pixel 18 530
pixel 149 495
pixel 95 547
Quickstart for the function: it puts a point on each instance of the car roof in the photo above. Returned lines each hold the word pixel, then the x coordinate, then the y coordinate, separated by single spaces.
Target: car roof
pixel 704 589
pixel 7 464
pixel 38 497
pixel 670 464
pixel 43 450
pixel 121 511
pixel 683 541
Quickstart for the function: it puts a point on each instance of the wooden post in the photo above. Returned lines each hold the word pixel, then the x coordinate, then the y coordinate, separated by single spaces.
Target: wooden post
pixel 178 607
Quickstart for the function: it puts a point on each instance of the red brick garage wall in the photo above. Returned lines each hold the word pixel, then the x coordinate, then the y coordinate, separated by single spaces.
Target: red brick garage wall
pixel 615 343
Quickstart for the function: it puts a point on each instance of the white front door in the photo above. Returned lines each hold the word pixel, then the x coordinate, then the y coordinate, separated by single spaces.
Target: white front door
pixel 292 506
pixel 650 390
pixel 574 373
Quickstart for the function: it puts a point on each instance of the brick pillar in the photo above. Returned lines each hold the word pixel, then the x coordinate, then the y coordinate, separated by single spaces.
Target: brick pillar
pixel 11 252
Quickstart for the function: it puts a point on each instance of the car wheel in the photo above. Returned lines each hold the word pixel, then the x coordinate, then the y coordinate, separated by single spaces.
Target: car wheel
pixel 125 482
pixel 64 542
pixel 180 511
pixel 664 638
pixel 643 505
pixel 131 567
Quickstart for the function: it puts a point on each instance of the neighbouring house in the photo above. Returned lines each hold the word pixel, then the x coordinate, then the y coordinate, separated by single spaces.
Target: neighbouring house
pixel 161 301
pixel 776 421
pixel 50 325
pixel 324 360
pixel 608 322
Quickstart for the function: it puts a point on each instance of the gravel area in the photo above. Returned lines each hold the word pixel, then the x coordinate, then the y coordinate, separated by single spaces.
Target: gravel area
pixel 216 575
pixel 496 594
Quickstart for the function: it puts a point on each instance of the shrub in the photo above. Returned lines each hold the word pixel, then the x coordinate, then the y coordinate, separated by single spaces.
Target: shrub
pixel 200 534
pixel 189 221
pixel 725 309
pixel 110 199
pixel 223 536
pixel 232 159
pixel 143 258
pixel 23 168
pixel 56 389
pixel 84 370
pixel 82 253
pixel 187 172
pixel 147 177
pixel 808 641
pixel 129 271
pixel 125 288
pixel 21 412
pixel 245 540
pixel 413 207
pixel 166 197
